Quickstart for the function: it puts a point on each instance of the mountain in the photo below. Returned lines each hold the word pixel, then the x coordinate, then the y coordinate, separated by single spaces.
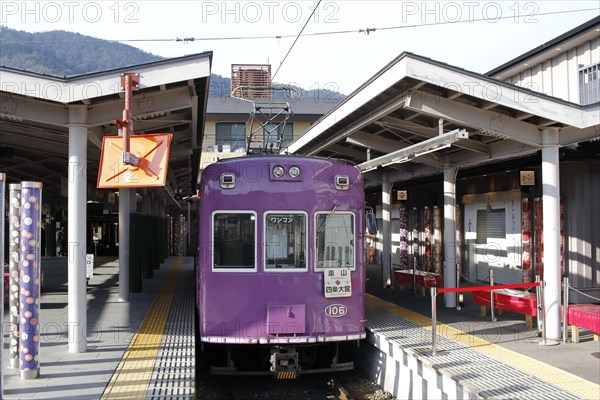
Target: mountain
pixel 62 53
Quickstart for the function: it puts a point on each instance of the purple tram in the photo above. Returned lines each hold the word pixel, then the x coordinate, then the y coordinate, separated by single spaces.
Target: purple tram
pixel 281 265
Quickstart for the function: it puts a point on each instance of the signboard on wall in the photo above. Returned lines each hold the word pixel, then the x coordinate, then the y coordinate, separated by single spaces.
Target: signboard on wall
pixel 527 178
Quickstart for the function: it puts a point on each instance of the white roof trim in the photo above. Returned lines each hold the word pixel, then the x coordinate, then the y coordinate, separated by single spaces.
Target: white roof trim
pixel 104 83
pixel 379 85
pixel 468 83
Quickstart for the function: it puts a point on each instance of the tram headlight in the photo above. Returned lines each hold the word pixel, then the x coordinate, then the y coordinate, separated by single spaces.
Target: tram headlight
pixel 294 171
pixel 278 171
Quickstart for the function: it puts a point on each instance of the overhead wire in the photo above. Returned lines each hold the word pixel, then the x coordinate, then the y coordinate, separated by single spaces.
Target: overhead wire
pixel 295 40
pixel 340 32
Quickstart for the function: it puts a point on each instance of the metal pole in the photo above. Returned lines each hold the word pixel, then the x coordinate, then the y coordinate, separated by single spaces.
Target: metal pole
pixel 29 309
pixel 565 310
pixel 14 244
pixel 538 298
pixel 415 276
pixel 458 306
pixel 543 316
pixel 433 320
pixel 492 311
pixel 124 228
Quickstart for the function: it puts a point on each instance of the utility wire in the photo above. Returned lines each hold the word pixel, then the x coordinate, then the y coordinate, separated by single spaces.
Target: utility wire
pixel 297 37
pixel 367 30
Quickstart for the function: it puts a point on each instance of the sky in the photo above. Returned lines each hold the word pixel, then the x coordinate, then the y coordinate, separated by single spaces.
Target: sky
pixel 474 35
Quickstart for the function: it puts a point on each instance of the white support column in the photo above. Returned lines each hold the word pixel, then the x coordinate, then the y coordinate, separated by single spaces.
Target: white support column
pixel 76 239
pixel 124 228
pixel 551 218
pixel 386 215
pixel 450 235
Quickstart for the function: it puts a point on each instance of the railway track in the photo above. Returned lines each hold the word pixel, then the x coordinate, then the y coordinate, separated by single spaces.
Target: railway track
pixel 349 385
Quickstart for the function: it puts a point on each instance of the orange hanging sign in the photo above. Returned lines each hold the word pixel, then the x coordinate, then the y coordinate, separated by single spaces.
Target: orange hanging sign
pixel 152 152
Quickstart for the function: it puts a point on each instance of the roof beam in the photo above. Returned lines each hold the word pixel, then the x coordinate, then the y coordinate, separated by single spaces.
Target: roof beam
pixel 416 150
pixel 488 122
pixel 429 132
pixel 152 104
pixel 23 110
pixel 381 111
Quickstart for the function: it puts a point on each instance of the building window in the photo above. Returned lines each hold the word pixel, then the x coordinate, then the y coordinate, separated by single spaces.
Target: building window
pixel 272 134
pixel 234 241
pixel 230 137
pixel 589 84
pixel 285 241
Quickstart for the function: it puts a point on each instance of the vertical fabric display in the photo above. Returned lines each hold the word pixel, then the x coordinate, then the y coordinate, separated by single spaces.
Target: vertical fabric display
pixel 415 237
pixel 526 239
pixel 538 237
pixel 2 192
pixel 437 240
pixel 562 239
pixel 459 236
pixel 428 263
pixel 31 229
pixel 14 242
pixel 403 238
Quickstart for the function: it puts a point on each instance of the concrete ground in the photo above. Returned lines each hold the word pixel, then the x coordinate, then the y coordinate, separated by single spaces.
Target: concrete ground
pixel 510 331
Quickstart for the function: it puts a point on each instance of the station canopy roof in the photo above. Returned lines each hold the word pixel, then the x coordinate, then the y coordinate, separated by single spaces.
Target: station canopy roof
pixel 34 119
pixel 417 116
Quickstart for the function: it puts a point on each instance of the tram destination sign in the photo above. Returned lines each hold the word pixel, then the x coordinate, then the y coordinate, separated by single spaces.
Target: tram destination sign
pixel 338 282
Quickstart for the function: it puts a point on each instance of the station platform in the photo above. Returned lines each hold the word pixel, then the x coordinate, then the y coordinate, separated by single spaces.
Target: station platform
pixel 144 348
pixel 475 358
pixel 141 349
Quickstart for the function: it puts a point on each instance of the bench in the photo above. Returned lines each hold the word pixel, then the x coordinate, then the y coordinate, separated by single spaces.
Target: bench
pixel 585 316
pixel 422 278
pixel 510 300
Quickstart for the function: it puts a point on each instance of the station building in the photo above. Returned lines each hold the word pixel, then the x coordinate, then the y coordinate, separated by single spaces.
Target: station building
pixel 475 172
pixel 467 172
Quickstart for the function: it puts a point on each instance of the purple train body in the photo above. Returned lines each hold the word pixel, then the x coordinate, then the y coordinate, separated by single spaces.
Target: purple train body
pixel 281 262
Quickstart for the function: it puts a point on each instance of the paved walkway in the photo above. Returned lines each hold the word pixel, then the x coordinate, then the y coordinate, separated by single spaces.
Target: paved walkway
pixel 511 341
pixel 111 326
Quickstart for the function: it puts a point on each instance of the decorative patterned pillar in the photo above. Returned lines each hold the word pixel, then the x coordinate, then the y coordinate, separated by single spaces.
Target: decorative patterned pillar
pixel 31 234
pixel 538 237
pixel 2 193
pixel 428 262
pixel 526 240
pixel 14 243
pixel 562 240
pixel 403 238
pixel 437 240
pixel 415 237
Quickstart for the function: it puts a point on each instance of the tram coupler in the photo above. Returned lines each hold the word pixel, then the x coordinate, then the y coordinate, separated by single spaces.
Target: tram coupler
pixel 285 363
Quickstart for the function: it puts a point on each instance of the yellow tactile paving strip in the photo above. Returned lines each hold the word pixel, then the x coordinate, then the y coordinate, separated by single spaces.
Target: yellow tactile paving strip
pixel 555 376
pixel 132 377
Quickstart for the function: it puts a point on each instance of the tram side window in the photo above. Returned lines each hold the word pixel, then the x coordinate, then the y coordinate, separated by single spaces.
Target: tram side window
pixel 285 241
pixel 335 240
pixel 234 241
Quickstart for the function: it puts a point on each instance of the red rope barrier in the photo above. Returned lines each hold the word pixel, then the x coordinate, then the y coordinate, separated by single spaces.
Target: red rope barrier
pixel 482 288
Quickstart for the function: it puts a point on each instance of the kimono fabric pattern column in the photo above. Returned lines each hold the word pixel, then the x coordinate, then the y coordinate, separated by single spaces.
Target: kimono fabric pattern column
pixel 31 196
